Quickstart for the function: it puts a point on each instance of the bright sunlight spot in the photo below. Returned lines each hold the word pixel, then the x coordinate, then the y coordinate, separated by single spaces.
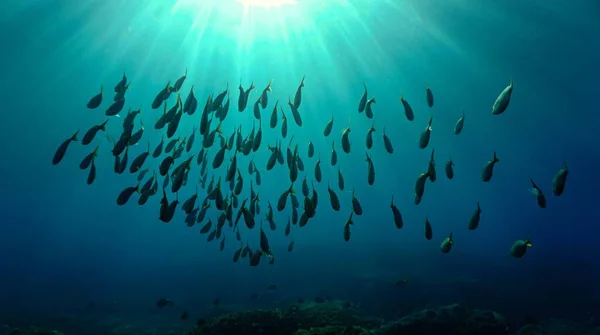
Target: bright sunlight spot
pixel 266 3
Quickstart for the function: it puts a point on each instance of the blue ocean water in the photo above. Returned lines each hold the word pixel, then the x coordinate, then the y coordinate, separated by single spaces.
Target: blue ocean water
pixel 65 244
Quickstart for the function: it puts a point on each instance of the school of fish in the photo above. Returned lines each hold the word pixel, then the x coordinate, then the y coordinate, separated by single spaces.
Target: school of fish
pixel 235 198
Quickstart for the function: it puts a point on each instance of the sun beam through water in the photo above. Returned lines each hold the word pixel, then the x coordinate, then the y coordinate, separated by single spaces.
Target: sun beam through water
pixel 266 3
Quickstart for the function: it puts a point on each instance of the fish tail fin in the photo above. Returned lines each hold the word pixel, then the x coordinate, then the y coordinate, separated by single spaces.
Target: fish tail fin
pixel 495 159
pixel 74 136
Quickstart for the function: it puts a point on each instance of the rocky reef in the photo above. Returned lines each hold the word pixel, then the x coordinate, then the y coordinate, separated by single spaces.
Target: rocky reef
pixel 6 330
pixel 557 327
pixel 336 318
pixel 449 320
pixel 308 318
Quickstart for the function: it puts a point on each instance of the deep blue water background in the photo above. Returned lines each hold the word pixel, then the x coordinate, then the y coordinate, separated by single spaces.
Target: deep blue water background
pixel 64 243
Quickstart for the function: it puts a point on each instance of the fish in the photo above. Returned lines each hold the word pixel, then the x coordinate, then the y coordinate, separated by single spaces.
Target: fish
pixel 288 227
pixel 161 96
pixel 264 98
pixel 431 172
pixel 488 169
pixel 167 210
pixel 559 181
pixel 237 254
pixel 398 220
pixel 171 145
pixel 305 190
pixel 137 163
pixel 115 108
pixel 309 208
pixel 62 149
pixel 369 108
pixel 188 205
pixel 191 103
pixel 449 168
pixel 387 143
pixel 130 118
pixel 356 206
pixel 318 173
pixel 425 135
pixel 303 220
pixel 248 218
pixel 447 244
pixel 121 85
pixel 429 96
pixel 328 127
pixel 346 140
pixel 257 138
pixel 273 119
pixel 222 244
pixel 362 103
pixel 428 230
pixel 256 109
pixel 206 228
pixel 96 100
pixel 347 225
pixel 243 98
pixel 408 111
pixel 334 156
pixel 474 221
pixel 137 136
pixel 174 123
pixel 298 95
pixel 402 282
pixel 459 124
pixel 87 160
pixel 370 170
pixel 264 241
pixel 142 174
pixel 340 180
pixel 126 194
pixel 218 101
pixel 311 149
pixel 92 173
pixel 91 133
pixel 539 195
pixel 190 141
pixel 179 82
pixel 519 248
pixel 163 302
pixel 333 199
pixel 295 113
pixel 503 100
pixel 165 165
pixel 283 124
pixel 420 187
pixel 369 141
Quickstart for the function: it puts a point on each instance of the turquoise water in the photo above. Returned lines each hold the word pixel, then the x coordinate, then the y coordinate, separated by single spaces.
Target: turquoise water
pixel 65 243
